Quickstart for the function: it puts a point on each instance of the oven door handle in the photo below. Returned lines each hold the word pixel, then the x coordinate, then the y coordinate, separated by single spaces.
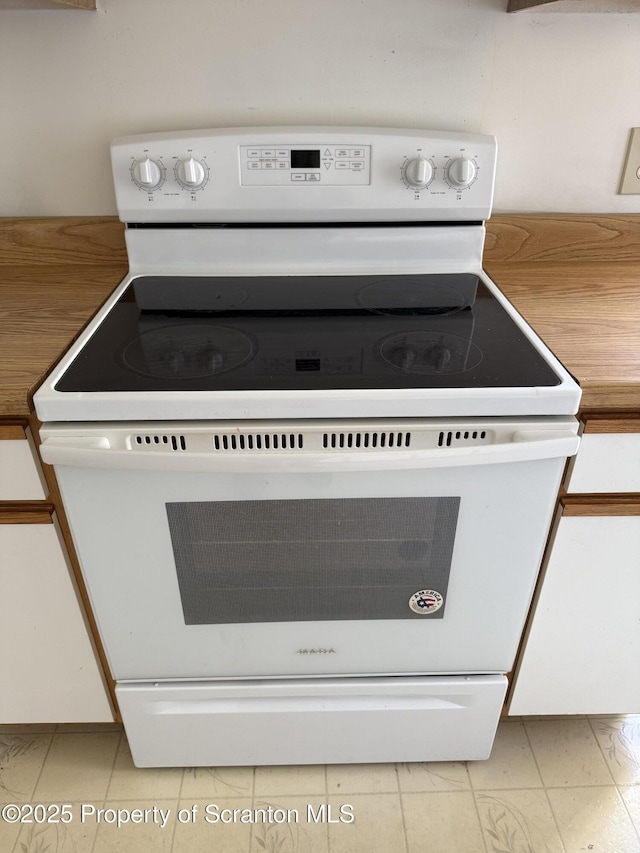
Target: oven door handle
pixel 94 452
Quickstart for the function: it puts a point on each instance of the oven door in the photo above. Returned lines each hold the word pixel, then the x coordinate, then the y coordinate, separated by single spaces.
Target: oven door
pixel 214 553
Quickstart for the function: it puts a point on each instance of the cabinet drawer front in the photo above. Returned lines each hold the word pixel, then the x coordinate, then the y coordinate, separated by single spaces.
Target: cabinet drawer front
pixel 606 462
pixel 21 478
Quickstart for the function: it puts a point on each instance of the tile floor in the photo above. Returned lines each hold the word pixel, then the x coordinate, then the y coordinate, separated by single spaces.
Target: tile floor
pixel 563 785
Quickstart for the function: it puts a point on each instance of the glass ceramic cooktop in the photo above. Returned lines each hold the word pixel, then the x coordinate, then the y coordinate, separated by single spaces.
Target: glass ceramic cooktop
pixel 191 333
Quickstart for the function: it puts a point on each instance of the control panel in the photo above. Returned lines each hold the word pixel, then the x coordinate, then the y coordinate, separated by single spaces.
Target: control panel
pixel 326 163
pixel 330 174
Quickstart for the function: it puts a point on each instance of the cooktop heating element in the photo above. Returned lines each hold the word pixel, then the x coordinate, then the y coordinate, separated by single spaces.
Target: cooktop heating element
pixel 182 351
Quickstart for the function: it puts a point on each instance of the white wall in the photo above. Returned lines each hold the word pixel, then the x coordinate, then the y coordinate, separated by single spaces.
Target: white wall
pixel 560 91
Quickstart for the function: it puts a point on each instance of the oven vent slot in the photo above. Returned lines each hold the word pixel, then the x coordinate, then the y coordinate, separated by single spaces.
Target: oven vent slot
pixel 159 442
pixel 365 440
pixel 453 438
pixel 240 442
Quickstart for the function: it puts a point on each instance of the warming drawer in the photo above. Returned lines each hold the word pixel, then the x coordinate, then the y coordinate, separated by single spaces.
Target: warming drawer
pixel 312 721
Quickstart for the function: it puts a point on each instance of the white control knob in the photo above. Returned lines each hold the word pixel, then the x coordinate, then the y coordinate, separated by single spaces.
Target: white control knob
pixel 461 172
pixel 191 174
pixel 417 173
pixel 147 174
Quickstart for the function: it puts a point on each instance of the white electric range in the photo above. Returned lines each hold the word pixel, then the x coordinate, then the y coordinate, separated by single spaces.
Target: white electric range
pixel 308 451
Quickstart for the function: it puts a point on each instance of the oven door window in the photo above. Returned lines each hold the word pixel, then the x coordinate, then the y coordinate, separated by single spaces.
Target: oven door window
pixel 313 560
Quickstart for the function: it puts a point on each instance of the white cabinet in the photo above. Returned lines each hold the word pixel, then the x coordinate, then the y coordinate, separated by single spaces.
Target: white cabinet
pixel 609 458
pixel 20 475
pixel 48 667
pixel 581 653
pixel 49 671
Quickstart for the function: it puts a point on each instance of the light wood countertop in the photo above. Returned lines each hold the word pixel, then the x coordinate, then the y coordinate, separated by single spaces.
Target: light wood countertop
pixel 54 275
pixel 42 310
pixel 575 279
pixel 589 315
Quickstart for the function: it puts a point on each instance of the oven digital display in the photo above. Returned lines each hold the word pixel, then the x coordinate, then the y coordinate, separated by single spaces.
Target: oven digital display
pixel 304 159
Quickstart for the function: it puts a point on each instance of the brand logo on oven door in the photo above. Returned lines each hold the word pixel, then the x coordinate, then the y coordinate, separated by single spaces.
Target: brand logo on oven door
pixel 316 652
pixel 426 601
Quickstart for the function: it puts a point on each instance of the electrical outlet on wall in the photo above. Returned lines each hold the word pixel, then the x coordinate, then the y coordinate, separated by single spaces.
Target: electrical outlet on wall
pixel 630 182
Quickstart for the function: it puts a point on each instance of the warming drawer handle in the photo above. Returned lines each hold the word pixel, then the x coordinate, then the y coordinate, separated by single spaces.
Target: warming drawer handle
pixel 302 704
pixel 98 453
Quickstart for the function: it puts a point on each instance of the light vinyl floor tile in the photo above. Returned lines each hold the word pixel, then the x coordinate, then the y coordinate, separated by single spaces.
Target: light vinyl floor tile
pixel 305 779
pixel 378 824
pixel 562 785
pixel 129 782
pixel 291 830
pixel 22 758
pixel 518 821
pixel 214 782
pixel 434 776
pixel 595 819
pixel 567 753
pixel 134 834
pixel 619 739
pixel 194 834
pixel 631 798
pixel 78 767
pixel 362 779
pixel 512 763
pixel 446 821
pixel 57 837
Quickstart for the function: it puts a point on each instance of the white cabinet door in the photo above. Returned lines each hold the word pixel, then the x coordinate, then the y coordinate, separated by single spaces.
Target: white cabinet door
pixel 48 668
pixel 582 652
